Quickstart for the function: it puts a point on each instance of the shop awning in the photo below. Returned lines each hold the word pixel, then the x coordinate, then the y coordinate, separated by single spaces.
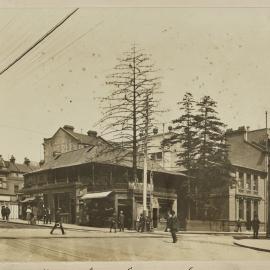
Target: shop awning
pixel 28 200
pixel 96 195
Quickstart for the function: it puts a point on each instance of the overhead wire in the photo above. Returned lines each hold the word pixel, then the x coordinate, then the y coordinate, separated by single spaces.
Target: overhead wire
pixel 37 42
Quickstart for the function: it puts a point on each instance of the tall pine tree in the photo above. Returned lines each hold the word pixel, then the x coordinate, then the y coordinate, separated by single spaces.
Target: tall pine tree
pixel 212 163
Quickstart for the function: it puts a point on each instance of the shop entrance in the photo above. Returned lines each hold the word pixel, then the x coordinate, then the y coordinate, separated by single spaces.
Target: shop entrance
pixel 126 207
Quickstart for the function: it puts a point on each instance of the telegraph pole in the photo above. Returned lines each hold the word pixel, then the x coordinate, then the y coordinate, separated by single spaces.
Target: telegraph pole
pixel 267 195
pixel 145 160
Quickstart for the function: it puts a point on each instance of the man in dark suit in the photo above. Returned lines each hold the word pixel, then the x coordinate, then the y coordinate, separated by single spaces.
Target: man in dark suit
pixel 173 226
pixel 121 221
pixel 58 221
pixel 255 226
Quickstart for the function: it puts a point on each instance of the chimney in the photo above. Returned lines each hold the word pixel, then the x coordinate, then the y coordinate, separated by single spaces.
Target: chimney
pixel 92 133
pixel 246 133
pixel 26 161
pixel 155 131
pixel 12 159
pixel 56 153
pixel 68 128
pixel 41 163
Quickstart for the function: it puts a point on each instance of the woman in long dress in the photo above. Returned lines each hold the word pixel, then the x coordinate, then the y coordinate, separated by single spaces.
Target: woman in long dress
pixel 28 214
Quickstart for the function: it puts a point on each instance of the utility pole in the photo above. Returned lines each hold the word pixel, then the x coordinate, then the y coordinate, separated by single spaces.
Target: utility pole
pixel 163 137
pixel 145 160
pixel 267 190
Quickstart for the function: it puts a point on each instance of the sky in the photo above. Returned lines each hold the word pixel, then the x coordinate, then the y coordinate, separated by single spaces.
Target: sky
pixel 221 52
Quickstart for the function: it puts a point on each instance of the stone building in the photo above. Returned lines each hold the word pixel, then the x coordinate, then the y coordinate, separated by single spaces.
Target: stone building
pixel 11 181
pixel 248 157
pixel 245 199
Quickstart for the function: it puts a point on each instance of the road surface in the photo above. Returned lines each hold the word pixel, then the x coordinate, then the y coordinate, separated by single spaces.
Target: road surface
pixel 31 243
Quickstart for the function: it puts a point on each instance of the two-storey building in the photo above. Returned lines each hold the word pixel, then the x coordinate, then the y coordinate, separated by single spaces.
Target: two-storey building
pixel 249 159
pixel 89 183
pixel 66 139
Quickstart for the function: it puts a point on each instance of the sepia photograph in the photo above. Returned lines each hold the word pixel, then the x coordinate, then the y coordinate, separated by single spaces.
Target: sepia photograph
pixel 135 132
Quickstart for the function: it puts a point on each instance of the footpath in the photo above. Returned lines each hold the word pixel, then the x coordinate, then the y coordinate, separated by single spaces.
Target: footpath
pixel 74 227
pixel 243 239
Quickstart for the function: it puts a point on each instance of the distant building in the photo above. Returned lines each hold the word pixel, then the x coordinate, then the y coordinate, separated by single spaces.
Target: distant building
pixel 248 157
pixel 245 199
pixel 66 139
pixel 166 155
pixel 11 181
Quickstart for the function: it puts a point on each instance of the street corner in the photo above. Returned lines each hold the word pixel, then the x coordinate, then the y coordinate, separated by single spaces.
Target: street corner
pixel 256 244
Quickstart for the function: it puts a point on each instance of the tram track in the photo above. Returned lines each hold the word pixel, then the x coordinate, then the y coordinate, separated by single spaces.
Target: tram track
pixel 51 252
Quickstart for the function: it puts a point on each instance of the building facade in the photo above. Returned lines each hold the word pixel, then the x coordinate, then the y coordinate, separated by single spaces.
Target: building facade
pixel 249 159
pixel 12 181
pixel 66 139
pixel 90 183
pixel 242 200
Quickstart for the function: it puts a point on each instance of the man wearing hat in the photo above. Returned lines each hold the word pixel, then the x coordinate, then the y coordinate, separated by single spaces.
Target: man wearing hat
pixel 121 221
pixel 58 221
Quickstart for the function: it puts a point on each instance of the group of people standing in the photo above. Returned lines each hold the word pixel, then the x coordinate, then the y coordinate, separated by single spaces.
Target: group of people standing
pixel 115 222
pixel 143 223
pixel 35 214
pixel 5 212
pixel 255 224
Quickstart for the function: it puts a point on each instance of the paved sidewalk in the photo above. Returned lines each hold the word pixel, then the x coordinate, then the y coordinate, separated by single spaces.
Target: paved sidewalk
pixel 257 244
pixel 74 227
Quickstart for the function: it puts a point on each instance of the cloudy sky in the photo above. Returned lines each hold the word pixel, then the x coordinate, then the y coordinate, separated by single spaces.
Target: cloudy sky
pixel 221 52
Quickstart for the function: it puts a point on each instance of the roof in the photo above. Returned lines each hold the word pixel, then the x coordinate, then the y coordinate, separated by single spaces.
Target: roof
pixel 82 138
pixel 103 155
pixel 20 168
pixel 247 151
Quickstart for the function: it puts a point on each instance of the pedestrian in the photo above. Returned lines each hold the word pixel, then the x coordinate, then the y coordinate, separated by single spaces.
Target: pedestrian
pixel 58 221
pixel 28 214
pixel 49 216
pixel 121 221
pixel 238 225
pixel 7 212
pixel 141 223
pixel 113 222
pixel 255 226
pixel 3 212
pixel 167 221
pixel 173 226
pixel 45 215
pixel 137 223
pixel 35 214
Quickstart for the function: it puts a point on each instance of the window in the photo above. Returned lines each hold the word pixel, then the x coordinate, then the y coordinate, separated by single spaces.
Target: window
pixel 16 189
pixel 256 184
pixel 3 183
pixel 241 209
pixel 256 208
pixel 248 182
pixel 241 180
pixel 159 155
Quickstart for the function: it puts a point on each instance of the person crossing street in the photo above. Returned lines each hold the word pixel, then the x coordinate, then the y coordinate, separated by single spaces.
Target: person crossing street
pixel 173 226
pixel 58 222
